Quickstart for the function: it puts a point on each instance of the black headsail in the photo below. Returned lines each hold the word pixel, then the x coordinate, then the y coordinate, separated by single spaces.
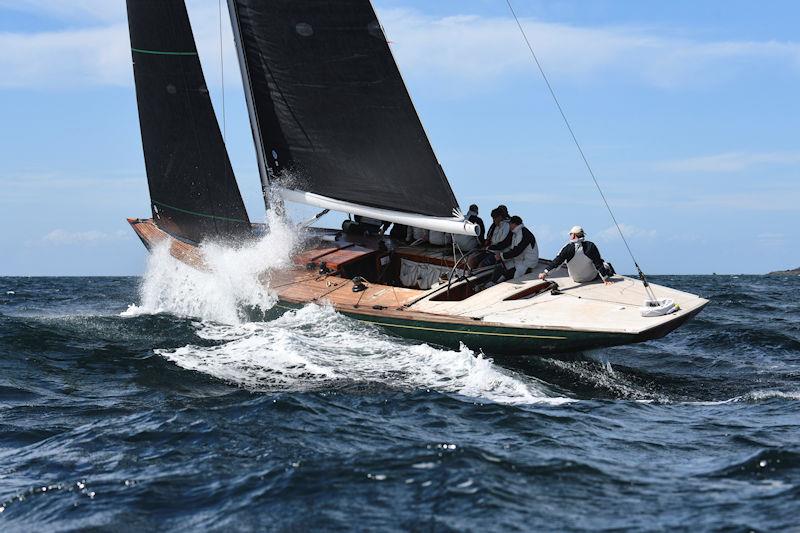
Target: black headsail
pixel 329 105
pixel 193 190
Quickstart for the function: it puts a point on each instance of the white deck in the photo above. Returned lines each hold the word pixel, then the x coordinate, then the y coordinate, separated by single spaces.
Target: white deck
pixel 586 307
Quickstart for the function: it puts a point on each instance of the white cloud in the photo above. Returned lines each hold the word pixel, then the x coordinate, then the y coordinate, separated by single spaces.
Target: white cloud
pixel 771 240
pixel 106 10
pixel 480 49
pixel 545 234
pixel 66 59
pixel 460 49
pixel 23 188
pixel 100 55
pixel 689 238
pixel 86 238
pixel 631 233
pixel 773 199
pixel 528 198
pixel 729 162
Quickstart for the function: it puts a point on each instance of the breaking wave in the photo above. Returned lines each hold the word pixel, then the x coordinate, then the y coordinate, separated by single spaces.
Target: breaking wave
pixel 104 427
pixel 313 348
pixel 316 348
pixel 227 289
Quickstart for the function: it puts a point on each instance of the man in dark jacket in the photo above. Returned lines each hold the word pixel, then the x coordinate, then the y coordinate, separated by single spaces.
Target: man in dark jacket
pixel 522 254
pixel 472 216
pixel 583 259
pixel 468 243
pixel 499 232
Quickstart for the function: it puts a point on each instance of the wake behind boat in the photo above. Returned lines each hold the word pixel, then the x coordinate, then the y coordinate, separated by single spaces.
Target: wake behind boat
pixel 334 127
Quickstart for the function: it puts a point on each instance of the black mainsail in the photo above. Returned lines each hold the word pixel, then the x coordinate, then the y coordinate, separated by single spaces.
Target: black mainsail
pixel 193 190
pixel 329 106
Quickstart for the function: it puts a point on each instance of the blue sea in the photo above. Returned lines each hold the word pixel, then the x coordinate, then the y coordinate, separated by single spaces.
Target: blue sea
pixel 163 403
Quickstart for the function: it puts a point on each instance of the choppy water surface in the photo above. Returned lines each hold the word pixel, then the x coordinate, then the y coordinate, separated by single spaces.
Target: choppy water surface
pixel 157 403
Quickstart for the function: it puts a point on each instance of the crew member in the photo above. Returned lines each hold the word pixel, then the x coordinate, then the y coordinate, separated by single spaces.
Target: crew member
pixel 583 259
pixel 521 256
pixel 399 232
pixel 361 225
pixel 467 243
pixel 498 239
pixel 416 234
pixel 439 238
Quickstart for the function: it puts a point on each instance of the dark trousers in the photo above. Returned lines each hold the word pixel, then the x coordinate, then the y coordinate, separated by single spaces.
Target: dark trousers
pixel 484 259
pixel 500 271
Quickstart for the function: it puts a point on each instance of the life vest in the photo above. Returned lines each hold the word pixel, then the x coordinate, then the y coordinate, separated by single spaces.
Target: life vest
pixel 580 267
pixel 528 258
pixel 499 233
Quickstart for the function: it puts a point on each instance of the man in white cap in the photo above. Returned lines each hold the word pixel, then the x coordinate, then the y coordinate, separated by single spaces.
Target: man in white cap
pixel 583 259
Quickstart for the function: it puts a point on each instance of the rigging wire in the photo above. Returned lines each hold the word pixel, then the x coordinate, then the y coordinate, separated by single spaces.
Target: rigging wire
pixel 580 150
pixel 222 71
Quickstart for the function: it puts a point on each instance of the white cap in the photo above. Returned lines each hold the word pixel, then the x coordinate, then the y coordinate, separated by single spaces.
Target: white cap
pixel 577 230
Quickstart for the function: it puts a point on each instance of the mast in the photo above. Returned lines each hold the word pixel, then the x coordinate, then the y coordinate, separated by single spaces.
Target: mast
pixel 263 170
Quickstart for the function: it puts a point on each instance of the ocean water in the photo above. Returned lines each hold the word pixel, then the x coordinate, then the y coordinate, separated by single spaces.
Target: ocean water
pixel 163 402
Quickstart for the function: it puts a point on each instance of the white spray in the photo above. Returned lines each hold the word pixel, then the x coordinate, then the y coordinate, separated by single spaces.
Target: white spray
pixel 313 348
pixel 230 285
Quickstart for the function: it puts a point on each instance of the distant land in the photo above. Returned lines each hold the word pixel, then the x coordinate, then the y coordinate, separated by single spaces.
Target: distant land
pixel 793 272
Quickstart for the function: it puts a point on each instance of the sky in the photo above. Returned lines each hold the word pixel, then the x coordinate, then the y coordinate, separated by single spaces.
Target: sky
pixel 688 112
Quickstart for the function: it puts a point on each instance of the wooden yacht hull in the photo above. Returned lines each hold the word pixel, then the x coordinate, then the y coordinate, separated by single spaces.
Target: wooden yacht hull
pixel 496 339
pixel 515 318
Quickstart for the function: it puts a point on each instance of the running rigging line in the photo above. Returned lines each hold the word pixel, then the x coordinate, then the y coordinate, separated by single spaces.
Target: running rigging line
pixel 580 150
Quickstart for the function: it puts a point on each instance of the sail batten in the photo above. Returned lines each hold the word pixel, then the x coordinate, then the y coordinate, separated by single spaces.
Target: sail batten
pixel 193 191
pixel 330 111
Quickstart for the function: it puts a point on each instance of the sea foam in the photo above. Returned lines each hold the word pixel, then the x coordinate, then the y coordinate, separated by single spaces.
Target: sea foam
pixel 226 289
pixel 313 348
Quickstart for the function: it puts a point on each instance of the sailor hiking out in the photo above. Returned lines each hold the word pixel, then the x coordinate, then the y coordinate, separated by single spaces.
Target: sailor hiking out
pixel 523 253
pixel 583 260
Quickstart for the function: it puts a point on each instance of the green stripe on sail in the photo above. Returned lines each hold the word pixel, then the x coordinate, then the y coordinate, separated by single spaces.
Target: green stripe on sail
pixel 205 215
pixel 163 53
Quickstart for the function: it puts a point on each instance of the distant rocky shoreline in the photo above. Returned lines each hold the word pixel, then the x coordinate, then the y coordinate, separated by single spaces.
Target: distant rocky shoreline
pixel 793 272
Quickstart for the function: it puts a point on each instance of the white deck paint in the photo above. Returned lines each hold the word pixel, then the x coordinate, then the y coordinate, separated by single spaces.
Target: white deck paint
pixel 586 307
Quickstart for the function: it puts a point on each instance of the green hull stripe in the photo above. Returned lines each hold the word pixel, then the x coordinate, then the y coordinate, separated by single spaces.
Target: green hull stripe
pixel 199 214
pixel 442 330
pixel 466 332
pixel 161 53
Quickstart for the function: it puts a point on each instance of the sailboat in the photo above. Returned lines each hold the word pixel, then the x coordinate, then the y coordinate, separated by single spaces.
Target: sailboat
pixel 334 127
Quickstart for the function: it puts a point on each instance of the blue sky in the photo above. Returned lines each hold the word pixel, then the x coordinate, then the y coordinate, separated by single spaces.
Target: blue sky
pixel 688 112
